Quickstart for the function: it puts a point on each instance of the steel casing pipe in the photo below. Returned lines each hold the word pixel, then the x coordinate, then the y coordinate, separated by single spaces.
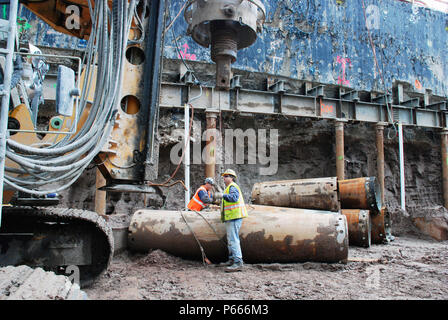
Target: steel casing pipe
pixel 319 194
pixel 360 193
pixel 269 234
pixel 359 227
pixel 381 226
pixel 340 161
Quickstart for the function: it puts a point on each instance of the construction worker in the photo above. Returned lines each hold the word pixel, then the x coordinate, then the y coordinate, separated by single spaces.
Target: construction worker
pixel 233 210
pixel 203 196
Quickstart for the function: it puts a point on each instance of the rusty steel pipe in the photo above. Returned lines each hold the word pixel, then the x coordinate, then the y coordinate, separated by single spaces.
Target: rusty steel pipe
pixel 380 157
pixel 359 227
pixel 319 194
pixel 340 162
pixel 269 234
pixel 381 227
pixel 360 193
pixel 100 196
pixel 210 153
pixel 225 26
pixel 444 152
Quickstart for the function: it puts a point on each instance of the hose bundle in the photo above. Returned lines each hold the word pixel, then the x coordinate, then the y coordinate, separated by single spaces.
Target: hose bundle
pixel 54 168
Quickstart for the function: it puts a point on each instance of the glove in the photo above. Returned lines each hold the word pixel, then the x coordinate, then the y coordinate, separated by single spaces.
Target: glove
pixel 217 197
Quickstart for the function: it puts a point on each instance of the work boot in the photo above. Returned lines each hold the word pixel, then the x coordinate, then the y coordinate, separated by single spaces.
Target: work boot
pixel 228 263
pixel 238 266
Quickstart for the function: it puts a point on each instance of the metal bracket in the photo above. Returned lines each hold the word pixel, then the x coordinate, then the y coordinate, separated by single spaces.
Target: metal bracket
pixel 316 91
pixel 414 103
pixel 351 96
pixel 187 78
pixel 278 87
pixel 438 106
pixel 383 99
pixel 235 82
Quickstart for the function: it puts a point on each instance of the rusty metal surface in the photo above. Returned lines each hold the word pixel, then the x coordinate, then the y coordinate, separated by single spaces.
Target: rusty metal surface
pixel 359 227
pixel 340 163
pixel 269 234
pixel 226 26
pixel 360 193
pixel 319 194
pixel 444 152
pixel 210 153
pixel 380 157
pixel 381 227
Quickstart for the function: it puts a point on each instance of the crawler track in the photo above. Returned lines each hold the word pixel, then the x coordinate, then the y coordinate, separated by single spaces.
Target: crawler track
pixel 55 238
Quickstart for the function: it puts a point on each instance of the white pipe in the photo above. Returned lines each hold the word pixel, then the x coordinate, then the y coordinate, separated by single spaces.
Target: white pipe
pixel 7 74
pixel 187 154
pixel 402 185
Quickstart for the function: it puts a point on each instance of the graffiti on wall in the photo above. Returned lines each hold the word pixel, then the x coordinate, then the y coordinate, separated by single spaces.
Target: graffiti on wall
pixel 439 5
pixel 185 54
pixel 324 41
pixel 344 62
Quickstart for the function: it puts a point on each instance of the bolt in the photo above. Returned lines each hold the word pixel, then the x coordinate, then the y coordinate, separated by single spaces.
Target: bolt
pixel 228 10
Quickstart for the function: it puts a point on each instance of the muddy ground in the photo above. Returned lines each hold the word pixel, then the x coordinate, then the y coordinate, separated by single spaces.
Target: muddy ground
pixel 410 267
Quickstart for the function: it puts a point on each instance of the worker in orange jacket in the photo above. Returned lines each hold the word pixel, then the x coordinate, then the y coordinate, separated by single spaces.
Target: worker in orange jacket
pixel 203 196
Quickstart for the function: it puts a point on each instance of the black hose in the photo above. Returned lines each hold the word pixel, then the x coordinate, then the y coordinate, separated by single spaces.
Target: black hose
pixel 152 71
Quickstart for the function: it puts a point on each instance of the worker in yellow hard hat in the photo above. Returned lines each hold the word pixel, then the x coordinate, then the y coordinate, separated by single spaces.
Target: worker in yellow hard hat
pixel 233 210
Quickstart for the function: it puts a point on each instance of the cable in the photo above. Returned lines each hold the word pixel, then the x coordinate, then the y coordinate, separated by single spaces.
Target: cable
pixel 178 14
pixel 63 162
pixel 389 112
pixel 213 229
pixel 204 257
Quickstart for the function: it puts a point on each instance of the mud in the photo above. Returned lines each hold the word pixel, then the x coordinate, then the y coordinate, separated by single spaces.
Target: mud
pixel 407 268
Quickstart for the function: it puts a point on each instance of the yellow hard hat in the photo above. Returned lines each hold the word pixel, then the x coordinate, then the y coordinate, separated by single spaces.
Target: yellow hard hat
pixel 229 172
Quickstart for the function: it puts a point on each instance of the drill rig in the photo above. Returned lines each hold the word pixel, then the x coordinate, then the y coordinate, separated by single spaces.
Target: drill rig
pixel 106 113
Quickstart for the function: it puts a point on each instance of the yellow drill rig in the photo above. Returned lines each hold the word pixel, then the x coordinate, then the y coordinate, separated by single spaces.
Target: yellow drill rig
pixel 107 110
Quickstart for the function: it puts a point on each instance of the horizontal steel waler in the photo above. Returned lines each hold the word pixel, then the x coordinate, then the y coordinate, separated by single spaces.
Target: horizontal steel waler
pixel 311 100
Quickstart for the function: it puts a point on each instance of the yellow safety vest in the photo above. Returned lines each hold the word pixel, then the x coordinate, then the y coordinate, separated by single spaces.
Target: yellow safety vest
pixel 233 210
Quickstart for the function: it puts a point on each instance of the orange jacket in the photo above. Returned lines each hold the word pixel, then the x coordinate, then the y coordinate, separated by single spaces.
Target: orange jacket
pixel 195 202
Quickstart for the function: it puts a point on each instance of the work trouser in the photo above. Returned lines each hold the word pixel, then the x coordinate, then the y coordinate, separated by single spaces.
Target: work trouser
pixel 233 240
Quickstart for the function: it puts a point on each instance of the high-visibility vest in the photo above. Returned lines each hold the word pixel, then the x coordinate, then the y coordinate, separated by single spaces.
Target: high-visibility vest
pixel 196 202
pixel 233 210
